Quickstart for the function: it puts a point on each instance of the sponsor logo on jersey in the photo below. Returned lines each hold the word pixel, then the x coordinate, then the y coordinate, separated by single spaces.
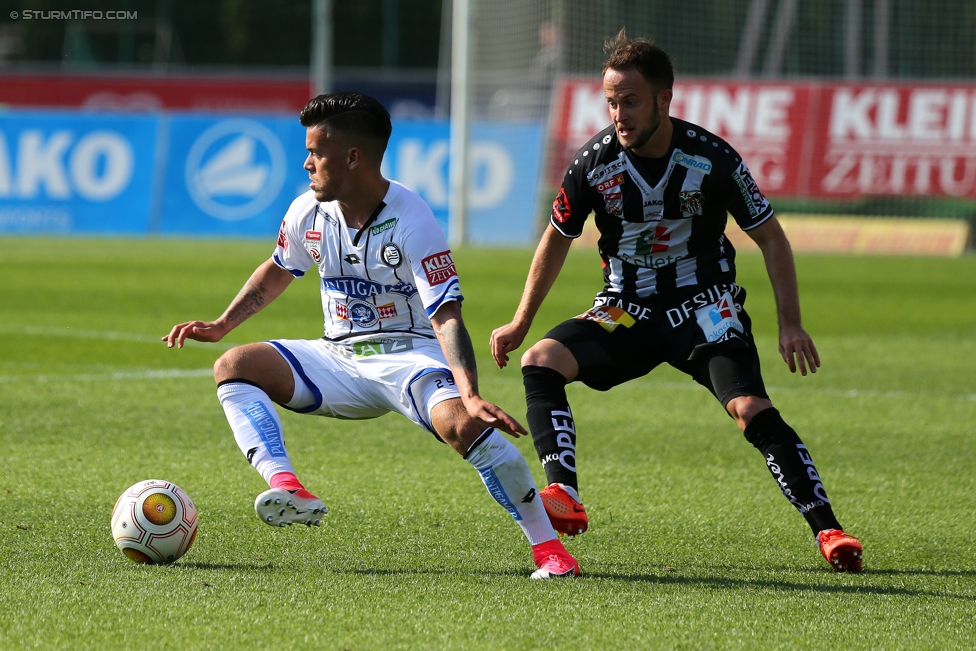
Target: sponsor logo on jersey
pixel 387 311
pixel 328 217
pixel 601 172
pixel 313 242
pixel 612 182
pixel 362 313
pixel 439 268
pixel 282 237
pixel 382 347
pixel 755 201
pixel 699 163
pixel 354 287
pixel 613 194
pixel 690 202
pixel 385 226
pixel 560 207
pixel 639 312
pixel 352 258
pixel 390 254
pixel 717 320
pixel 608 317
pixel 712 295
pixel 653 240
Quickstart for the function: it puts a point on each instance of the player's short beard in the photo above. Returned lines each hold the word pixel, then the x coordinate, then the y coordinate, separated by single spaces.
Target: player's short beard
pixel 324 194
pixel 649 133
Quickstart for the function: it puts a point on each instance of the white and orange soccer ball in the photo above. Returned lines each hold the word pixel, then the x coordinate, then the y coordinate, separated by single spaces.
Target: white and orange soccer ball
pixel 154 522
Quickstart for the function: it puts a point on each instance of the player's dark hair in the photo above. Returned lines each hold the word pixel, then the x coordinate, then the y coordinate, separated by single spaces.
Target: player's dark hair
pixel 354 115
pixel 639 54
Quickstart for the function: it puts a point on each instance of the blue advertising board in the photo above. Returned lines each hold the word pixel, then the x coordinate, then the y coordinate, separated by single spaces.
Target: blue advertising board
pixel 235 175
pixel 67 172
pixel 503 175
pixel 231 175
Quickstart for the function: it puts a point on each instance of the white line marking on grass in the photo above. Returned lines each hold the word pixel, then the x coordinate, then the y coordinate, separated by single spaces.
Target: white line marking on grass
pixel 80 333
pixel 148 374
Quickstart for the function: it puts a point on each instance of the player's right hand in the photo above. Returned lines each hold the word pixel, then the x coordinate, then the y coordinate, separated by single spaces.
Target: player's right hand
pixel 504 340
pixel 493 416
pixel 207 331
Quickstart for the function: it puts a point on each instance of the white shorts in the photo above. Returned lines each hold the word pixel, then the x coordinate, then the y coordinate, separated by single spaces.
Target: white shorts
pixel 369 378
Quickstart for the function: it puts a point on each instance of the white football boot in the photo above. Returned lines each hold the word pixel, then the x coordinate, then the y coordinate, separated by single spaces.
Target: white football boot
pixel 278 507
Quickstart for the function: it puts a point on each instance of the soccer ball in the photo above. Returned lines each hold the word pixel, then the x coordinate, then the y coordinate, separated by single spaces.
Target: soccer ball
pixel 154 521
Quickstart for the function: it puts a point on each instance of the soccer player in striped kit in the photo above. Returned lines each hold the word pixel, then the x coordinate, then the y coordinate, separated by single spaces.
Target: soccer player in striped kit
pixel 394 337
pixel 660 189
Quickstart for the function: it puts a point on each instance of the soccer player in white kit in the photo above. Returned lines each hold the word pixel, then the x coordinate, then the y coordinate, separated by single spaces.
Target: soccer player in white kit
pixel 394 338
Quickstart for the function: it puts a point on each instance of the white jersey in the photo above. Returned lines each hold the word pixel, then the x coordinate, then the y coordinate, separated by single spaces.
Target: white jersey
pixel 389 277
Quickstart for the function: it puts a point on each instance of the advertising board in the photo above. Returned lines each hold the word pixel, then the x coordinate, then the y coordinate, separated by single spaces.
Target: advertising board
pixel 71 173
pixel 235 175
pixel 811 139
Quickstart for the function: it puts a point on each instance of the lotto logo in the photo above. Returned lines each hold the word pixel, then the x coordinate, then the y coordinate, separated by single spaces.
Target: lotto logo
pixel 439 267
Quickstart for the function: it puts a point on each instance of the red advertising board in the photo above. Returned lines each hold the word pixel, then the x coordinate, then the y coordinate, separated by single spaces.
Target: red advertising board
pixel 831 140
pixel 149 93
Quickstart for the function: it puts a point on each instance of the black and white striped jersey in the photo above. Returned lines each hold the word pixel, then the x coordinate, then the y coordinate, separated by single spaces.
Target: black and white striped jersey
pixel 388 277
pixel 661 221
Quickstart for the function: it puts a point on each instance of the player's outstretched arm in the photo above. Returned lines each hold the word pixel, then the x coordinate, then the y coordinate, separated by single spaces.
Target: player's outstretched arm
pixel 456 344
pixel 546 265
pixel 795 345
pixel 266 284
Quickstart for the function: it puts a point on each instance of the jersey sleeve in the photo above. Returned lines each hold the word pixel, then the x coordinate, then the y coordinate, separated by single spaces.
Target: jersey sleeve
pixel 572 205
pixel 290 253
pixel 431 263
pixel 744 200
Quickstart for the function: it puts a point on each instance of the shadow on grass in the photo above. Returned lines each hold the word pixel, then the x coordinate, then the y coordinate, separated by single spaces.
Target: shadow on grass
pixel 417 572
pixel 800 586
pixel 724 582
pixel 250 567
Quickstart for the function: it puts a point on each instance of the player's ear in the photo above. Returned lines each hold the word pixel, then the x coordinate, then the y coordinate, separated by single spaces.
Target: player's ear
pixel 664 100
pixel 354 157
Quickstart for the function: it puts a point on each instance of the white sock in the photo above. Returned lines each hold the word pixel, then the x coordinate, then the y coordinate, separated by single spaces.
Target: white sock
pixel 507 477
pixel 256 426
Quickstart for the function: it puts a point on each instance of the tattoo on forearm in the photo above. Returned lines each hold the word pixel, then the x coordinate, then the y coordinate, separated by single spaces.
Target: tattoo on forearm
pixel 459 351
pixel 248 302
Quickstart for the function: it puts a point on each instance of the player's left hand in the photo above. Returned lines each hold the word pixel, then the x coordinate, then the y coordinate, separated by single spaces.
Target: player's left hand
pixel 493 416
pixel 795 342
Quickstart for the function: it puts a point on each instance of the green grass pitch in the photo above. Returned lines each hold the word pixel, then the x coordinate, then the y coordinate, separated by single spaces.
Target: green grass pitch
pixel 691 545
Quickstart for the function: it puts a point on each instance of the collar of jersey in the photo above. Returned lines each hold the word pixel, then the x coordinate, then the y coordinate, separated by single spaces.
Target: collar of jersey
pixel 369 222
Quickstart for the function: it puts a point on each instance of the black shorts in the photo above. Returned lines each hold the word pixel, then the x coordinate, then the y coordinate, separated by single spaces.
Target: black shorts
pixel 705 333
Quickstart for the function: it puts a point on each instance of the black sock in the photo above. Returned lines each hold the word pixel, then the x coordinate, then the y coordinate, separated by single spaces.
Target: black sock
pixel 792 468
pixel 551 423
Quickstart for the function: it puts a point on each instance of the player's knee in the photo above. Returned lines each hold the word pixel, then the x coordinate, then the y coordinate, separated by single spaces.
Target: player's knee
pixel 223 368
pixel 533 357
pixel 453 425
pixel 743 408
pixel 549 353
